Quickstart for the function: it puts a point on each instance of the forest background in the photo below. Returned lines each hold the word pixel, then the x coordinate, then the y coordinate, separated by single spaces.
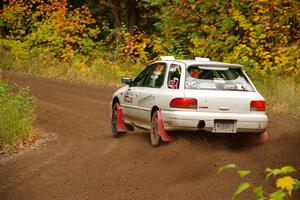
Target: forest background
pixel 99 41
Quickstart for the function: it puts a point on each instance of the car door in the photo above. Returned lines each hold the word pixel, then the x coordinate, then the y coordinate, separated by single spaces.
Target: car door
pixel 147 94
pixel 130 100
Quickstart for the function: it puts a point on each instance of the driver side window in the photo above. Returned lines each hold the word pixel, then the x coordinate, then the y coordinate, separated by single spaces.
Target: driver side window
pixel 141 78
pixel 152 76
pixel 156 77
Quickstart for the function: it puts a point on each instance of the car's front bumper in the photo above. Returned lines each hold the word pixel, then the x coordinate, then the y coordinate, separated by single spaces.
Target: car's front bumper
pixel 189 120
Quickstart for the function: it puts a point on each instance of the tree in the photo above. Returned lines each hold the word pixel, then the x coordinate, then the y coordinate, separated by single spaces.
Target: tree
pixel 123 12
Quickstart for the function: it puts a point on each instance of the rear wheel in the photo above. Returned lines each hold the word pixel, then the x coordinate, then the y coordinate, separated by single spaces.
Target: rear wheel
pixel 155 138
pixel 114 122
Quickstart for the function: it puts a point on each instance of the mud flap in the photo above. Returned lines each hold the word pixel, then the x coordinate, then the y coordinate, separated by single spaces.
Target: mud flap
pixel 261 138
pixel 120 122
pixel 161 130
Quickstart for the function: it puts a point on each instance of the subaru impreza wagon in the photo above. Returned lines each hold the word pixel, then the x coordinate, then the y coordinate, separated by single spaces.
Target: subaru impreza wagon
pixel 188 95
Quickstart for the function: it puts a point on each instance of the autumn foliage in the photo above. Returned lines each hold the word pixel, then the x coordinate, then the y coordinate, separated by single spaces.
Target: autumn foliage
pixel 50 24
pixel 263 35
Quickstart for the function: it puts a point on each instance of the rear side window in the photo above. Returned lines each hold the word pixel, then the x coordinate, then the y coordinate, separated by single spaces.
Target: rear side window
pixel 216 78
pixel 174 76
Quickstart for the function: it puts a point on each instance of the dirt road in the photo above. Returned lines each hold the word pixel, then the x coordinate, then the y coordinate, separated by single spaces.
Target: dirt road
pixel 85 162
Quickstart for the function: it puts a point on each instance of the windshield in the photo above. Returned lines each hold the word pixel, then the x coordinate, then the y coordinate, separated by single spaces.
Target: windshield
pixel 216 78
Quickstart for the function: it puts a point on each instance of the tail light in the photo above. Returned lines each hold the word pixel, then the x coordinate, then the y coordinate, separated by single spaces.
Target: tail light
pixel 257 106
pixel 188 103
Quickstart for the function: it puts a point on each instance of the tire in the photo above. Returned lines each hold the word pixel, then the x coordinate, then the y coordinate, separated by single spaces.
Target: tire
pixel 155 138
pixel 114 122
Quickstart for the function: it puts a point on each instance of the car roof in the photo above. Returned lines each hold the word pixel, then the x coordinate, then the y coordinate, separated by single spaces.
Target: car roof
pixel 205 63
pixel 210 63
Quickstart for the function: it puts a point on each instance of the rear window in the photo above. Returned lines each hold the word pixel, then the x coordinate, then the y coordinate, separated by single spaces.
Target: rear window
pixel 216 78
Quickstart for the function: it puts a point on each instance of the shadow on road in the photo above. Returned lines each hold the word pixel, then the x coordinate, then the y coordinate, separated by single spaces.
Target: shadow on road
pixel 233 142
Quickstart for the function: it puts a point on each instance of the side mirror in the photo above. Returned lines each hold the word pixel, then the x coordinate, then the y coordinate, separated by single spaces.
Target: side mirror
pixel 127 80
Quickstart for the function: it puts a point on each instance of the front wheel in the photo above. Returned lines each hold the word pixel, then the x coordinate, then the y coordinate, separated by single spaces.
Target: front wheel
pixel 155 138
pixel 114 121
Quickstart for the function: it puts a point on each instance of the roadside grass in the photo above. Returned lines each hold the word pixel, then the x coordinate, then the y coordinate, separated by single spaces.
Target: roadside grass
pixel 282 94
pixel 100 68
pixel 16 116
pixel 104 68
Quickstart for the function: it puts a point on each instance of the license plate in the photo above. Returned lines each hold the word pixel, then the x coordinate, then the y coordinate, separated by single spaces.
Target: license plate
pixel 224 126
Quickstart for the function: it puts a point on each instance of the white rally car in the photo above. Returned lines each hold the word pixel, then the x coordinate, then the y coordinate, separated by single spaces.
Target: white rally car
pixel 189 95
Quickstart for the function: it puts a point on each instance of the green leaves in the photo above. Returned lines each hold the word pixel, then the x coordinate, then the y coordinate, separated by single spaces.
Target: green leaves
pixel 241 188
pixel 228 166
pixel 284 184
pixel 297 186
pixel 271 172
pixel 279 171
pixel 259 192
pixel 243 173
pixel 288 169
pixel 278 195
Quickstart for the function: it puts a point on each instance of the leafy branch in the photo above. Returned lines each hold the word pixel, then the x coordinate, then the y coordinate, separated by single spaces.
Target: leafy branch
pixel 285 184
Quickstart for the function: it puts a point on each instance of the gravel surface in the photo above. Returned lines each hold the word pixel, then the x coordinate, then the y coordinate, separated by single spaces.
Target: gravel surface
pixel 85 162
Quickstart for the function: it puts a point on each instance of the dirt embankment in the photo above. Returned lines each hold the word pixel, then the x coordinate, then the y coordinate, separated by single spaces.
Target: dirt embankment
pixel 85 162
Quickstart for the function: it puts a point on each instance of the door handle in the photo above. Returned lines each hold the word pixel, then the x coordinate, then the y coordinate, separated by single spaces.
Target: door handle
pixel 223 108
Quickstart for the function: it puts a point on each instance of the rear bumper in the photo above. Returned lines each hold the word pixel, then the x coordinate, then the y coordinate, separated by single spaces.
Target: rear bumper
pixel 189 120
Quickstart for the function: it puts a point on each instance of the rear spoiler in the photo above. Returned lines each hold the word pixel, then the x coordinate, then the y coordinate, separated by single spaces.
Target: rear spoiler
pixel 219 64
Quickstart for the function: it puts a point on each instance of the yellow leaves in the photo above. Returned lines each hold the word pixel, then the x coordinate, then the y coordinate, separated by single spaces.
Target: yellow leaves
pixel 200 46
pixel 51 23
pixel 267 31
pixel 83 68
pixel 70 40
pixel 256 18
pixel 262 36
pixel 241 54
pixel 67 53
pixel 206 27
pixel 245 58
pixel 238 17
pixel 136 47
pixel 286 183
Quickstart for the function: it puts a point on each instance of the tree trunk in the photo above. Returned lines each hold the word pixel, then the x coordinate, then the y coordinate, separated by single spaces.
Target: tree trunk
pixel 132 15
pixel 116 11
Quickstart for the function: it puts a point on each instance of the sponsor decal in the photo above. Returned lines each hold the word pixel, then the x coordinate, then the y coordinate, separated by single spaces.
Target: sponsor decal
pixel 147 98
pixel 128 97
